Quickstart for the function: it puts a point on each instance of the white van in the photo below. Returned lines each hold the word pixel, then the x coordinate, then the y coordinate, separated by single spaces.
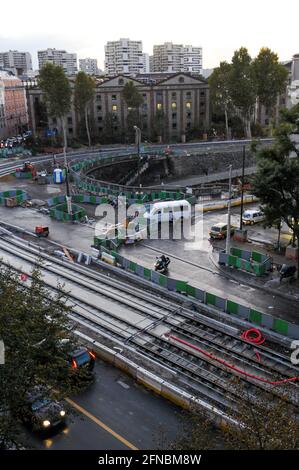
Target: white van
pixel 169 211
pixel 251 217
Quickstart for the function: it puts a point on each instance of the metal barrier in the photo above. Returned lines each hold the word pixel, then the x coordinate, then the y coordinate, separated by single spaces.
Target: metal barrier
pixel 250 261
pixel 230 307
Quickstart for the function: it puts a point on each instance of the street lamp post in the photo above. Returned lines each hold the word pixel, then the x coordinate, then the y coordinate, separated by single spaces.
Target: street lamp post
pixel 229 212
pixel 242 188
pixel 138 141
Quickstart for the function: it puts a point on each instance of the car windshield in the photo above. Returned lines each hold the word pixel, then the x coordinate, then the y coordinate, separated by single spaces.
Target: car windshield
pixel 38 404
pixel 246 216
pixel 82 358
pixel 215 229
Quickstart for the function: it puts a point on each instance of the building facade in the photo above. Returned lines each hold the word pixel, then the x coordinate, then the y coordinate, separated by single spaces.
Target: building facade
pixel 13 106
pixel 20 63
pixel 65 59
pixel 175 107
pixel 174 58
pixel 124 57
pixel 89 66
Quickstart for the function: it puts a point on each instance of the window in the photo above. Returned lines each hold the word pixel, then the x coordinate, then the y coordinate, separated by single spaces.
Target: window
pixel 202 93
pixel 181 79
pixel 120 81
pixel 100 129
pixel 188 115
pixel 174 115
pixel 99 108
pixel 174 125
pixel 100 119
pixel 202 104
pixel 114 97
pixel 114 107
pixel 188 94
pixel 99 97
pixel 69 120
pixel 159 106
pixel 188 105
pixel 173 94
pixel 70 130
pixel 173 105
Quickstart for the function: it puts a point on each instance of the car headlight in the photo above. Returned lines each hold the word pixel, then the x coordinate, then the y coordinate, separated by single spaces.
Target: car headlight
pixel 46 423
pixel 62 413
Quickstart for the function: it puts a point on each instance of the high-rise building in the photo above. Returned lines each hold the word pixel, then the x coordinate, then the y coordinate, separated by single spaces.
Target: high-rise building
pixel 65 59
pixel 17 62
pixel 174 58
pixel 13 105
pixel 89 66
pixel 146 63
pixel 124 57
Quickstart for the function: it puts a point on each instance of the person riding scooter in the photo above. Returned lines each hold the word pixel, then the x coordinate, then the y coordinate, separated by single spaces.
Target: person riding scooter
pixel 162 264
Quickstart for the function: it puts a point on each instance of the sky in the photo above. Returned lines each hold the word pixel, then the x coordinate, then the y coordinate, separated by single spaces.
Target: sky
pixel 219 26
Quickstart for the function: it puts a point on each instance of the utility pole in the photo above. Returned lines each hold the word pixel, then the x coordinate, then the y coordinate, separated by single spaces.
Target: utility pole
pixel 229 212
pixel 242 187
pixel 138 142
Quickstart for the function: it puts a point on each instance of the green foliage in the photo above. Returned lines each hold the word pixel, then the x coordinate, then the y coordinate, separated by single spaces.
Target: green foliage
pixel 276 183
pixel 56 88
pixel 259 422
pixel 270 77
pixel 33 321
pixel 219 83
pixel 131 95
pixel 84 91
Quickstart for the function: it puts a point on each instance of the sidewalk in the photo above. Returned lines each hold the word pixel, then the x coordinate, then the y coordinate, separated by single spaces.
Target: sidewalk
pixel 269 283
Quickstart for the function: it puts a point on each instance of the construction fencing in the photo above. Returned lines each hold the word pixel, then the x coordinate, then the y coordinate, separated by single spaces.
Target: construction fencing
pixel 228 306
pixel 17 194
pixel 250 261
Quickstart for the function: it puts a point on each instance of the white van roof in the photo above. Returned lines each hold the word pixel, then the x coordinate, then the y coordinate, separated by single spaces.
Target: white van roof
pixel 251 211
pixel 160 205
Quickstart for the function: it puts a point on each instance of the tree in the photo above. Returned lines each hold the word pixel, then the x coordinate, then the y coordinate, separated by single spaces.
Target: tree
pixel 270 77
pixel 57 93
pixel 133 100
pixel 276 182
pixel 33 321
pixel 131 95
pixel 242 87
pixel 83 95
pixel 263 422
pixel 219 83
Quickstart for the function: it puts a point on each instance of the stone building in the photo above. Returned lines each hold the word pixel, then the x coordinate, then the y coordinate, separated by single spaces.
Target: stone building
pixel 13 106
pixel 175 107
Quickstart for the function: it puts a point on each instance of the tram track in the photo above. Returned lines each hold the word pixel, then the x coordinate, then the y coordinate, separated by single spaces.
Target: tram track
pixel 142 320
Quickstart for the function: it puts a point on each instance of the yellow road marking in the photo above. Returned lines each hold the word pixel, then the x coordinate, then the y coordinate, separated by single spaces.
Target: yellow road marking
pixel 101 424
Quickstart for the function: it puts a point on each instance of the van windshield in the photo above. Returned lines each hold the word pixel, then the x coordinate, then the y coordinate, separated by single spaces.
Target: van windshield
pixel 246 216
pixel 215 229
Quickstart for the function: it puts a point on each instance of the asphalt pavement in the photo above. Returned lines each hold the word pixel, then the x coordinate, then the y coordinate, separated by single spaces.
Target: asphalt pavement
pixel 115 414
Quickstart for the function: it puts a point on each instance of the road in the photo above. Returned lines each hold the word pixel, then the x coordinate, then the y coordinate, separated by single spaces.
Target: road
pixel 198 269
pixel 122 415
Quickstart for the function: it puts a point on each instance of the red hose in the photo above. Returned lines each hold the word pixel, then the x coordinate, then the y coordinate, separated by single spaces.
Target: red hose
pixel 231 366
pixel 253 335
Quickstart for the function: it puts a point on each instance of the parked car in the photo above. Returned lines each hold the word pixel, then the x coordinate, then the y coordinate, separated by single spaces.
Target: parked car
pixel 219 231
pixel 168 211
pixel 251 217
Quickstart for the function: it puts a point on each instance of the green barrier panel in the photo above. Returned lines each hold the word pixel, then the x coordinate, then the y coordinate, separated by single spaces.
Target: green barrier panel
pixel 163 280
pixel 257 257
pixel 232 260
pixel 132 266
pixel 236 252
pixel 147 273
pixel 210 299
pixel 191 291
pixel 232 307
pixel 181 286
pixel 280 326
pixel 255 316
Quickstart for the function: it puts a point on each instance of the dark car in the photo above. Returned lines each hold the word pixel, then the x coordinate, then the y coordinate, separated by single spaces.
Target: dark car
pixel 41 412
pixel 83 358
